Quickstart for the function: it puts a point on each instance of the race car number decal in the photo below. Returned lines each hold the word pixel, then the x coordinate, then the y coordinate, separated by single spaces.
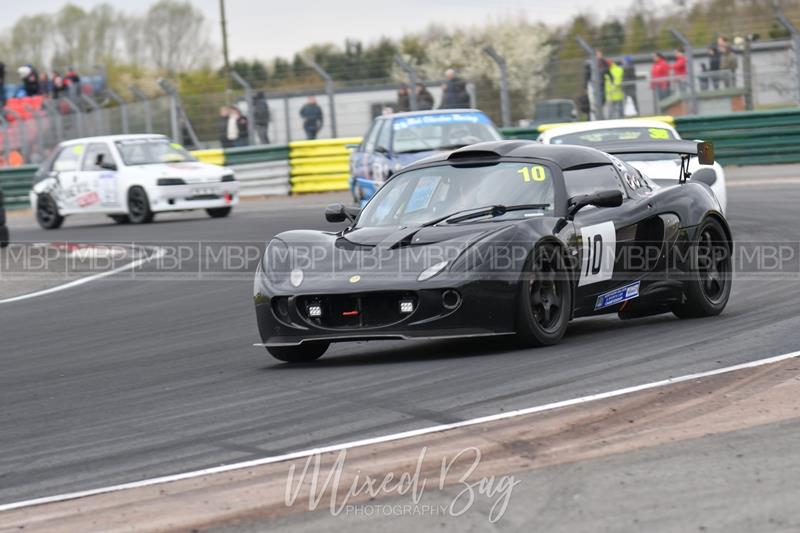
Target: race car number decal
pixel 533 173
pixel 599 250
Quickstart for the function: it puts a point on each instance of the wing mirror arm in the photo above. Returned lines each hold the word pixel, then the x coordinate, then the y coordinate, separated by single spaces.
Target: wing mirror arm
pixel 608 198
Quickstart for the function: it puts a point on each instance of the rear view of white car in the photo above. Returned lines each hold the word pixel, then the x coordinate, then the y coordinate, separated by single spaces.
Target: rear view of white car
pixel 661 168
pixel 130 178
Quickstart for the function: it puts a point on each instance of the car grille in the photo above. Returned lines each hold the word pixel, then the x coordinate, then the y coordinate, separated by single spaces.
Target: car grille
pixel 368 310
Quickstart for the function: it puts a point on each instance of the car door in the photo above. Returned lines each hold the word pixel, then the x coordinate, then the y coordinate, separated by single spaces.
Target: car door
pixel 362 163
pixel 65 188
pixel 98 179
pixel 382 162
pixel 607 237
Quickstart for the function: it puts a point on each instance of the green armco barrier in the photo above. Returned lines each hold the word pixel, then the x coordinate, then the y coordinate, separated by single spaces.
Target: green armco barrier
pixel 520 133
pixel 256 154
pixel 748 138
pixel 16 183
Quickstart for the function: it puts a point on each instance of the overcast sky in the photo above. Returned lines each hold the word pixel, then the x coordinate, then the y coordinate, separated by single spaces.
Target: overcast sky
pixel 267 28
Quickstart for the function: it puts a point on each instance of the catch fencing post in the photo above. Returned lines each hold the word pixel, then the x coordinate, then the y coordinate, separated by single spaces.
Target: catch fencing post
pixel 286 117
pixel 148 114
pixel 412 79
pixel 6 141
pixel 168 88
pixel 78 114
pixel 795 33
pixel 98 120
pixel 123 107
pixel 251 115
pixel 688 51
pixel 328 89
pixel 597 90
pixel 505 102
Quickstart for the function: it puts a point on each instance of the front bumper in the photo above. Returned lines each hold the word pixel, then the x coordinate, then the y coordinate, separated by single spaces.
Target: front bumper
pixel 194 196
pixel 482 308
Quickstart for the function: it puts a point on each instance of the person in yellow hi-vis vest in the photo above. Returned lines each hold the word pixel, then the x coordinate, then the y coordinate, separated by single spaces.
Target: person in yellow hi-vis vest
pixel 615 94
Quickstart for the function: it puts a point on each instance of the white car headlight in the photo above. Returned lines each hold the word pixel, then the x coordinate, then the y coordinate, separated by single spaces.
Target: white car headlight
pixel 431 271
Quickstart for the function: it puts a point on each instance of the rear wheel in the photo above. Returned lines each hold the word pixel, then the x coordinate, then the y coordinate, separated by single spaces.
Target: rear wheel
pixel 304 353
pixel 710 269
pixel 120 219
pixel 219 212
pixel 544 300
pixel 139 211
pixel 47 212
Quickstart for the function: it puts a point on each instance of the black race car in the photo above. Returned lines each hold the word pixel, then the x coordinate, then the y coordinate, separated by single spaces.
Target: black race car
pixel 499 238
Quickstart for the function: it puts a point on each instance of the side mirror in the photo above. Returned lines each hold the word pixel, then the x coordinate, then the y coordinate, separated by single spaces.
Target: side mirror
pixel 336 213
pixel 705 153
pixel 608 198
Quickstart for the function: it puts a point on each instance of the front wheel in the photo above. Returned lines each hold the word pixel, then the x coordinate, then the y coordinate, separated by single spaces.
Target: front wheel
pixel 219 212
pixel 304 353
pixel 47 214
pixel 545 299
pixel 708 288
pixel 139 211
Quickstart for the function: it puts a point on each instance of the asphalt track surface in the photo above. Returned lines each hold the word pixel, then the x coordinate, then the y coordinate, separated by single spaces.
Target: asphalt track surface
pixel 127 379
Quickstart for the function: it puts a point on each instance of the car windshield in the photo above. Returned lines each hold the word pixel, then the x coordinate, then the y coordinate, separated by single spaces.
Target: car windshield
pixel 152 152
pixel 420 196
pixel 441 131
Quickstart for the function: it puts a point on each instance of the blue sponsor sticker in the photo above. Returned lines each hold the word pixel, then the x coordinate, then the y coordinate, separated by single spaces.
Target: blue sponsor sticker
pixel 439 118
pixel 617 296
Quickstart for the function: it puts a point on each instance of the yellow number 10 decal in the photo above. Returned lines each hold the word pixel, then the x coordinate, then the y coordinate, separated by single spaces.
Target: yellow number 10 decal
pixel 534 173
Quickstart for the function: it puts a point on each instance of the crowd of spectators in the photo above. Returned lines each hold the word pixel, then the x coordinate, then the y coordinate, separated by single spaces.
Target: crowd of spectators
pixel 32 82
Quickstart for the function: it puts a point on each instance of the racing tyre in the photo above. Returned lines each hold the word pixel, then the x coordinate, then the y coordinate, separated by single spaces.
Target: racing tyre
pixel 120 219
pixel 544 300
pixel 47 212
pixel 139 206
pixel 305 353
pixel 710 270
pixel 219 212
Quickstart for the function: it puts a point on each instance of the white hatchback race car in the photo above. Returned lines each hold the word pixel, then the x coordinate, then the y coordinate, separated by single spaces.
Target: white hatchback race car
pixel 659 167
pixel 129 178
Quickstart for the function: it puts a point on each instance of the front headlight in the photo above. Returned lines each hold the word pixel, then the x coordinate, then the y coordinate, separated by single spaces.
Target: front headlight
pixel 431 271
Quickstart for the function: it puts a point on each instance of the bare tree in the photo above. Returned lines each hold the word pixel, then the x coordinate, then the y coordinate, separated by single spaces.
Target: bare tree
pixel 177 36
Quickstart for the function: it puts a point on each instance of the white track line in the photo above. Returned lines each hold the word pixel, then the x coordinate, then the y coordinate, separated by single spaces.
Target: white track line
pixel 159 252
pixel 395 436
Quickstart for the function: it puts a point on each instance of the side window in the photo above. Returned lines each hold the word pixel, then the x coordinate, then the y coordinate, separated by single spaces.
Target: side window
pixel 372 136
pixel 385 137
pixel 591 179
pixel 90 159
pixel 68 159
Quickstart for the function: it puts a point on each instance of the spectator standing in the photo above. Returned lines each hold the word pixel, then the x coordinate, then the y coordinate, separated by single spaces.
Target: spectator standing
pixel 312 117
pixel 679 68
pixel 30 80
pixel 403 99
pixel 629 86
pixel 710 77
pixel 311 114
pixel 454 92
pixel 58 85
pixel 45 85
pixel 728 63
pixel 424 98
pixel 227 128
pixel 261 116
pixel 615 94
pixel 242 128
pixel 659 76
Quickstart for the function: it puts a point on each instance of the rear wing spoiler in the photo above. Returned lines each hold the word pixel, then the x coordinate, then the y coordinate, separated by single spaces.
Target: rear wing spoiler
pixel 703 150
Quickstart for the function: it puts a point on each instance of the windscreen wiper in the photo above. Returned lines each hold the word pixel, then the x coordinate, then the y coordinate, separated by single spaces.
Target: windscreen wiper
pixel 478 212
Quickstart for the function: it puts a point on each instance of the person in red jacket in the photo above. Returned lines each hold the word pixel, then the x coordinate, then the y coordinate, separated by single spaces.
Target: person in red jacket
pixel 659 76
pixel 679 68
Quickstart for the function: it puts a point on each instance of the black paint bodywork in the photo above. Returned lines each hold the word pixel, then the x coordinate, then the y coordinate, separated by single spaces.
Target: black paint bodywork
pixel 4 238
pixel 370 270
